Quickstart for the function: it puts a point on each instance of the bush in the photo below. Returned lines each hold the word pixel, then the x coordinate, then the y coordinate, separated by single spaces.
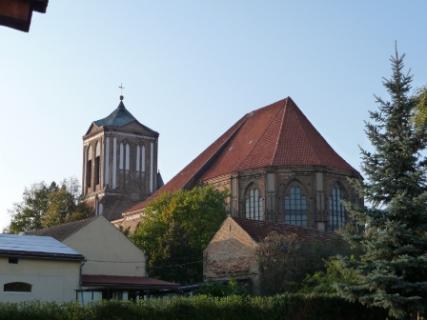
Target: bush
pixel 222 289
pixel 283 307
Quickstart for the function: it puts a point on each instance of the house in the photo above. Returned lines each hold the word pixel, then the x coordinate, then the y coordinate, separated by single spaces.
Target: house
pixel 17 14
pixel 114 268
pixel 232 252
pixel 276 166
pixel 38 268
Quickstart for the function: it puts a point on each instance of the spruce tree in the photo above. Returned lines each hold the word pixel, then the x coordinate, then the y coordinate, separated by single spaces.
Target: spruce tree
pixel 392 266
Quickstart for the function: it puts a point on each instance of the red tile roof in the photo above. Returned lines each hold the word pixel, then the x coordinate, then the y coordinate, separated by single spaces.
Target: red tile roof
pixel 125 282
pixel 258 230
pixel 276 135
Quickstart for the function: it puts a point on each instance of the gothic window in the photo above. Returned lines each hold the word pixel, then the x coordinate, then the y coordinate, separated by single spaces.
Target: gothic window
pixel 89 167
pixel 254 206
pixel 296 207
pixel 17 287
pixel 97 163
pixel 121 156
pixel 336 208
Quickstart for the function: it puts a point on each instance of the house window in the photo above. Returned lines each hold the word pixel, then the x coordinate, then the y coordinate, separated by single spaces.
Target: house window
pixel 254 206
pixel 13 260
pixel 336 208
pixel 17 287
pixel 296 207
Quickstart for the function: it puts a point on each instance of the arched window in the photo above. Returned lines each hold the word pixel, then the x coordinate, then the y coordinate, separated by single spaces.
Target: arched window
pixel 97 163
pixel 127 165
pixel 254 206
pixel 17 287
pixel 143 158
pixel 296 207
pixel 336 208
pixel 138 156
pixel 121 155
pixel 89 167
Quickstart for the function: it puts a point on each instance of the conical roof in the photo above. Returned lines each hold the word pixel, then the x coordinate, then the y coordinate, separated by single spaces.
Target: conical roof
pixel 275 135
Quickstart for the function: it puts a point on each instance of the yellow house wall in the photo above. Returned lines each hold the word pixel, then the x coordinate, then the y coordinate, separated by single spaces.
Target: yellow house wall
pixel 54 281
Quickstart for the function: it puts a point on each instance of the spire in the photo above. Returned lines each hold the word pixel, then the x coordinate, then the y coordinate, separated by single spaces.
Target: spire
pixel 121 91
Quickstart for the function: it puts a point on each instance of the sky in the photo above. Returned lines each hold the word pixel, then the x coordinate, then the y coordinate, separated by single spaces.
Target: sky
pixel 190 70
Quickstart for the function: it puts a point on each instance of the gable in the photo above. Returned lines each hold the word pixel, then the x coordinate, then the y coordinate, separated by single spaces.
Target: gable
pixel 93 129
pixel 231 252
pixel 136 127
pixel 107 250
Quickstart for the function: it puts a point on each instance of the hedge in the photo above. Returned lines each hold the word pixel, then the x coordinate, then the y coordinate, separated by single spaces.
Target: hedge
pixel 283 307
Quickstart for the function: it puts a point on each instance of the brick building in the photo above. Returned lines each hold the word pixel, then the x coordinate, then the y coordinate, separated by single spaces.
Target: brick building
pixel 277 167
pixel 119 163
pixel 232 252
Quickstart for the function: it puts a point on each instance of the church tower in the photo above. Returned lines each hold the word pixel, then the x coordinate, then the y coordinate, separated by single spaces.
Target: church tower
pixel 119 163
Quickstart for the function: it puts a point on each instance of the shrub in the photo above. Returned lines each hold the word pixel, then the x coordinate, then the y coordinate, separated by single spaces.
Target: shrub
pixel 283 307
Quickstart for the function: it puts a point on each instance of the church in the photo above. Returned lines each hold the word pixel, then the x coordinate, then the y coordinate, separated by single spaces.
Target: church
pixel 277 167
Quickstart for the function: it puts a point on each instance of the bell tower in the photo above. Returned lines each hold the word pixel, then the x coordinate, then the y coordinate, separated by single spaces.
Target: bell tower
pixel 119 163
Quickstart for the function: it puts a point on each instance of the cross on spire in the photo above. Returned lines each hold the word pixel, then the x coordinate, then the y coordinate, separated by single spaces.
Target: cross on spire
pixel 121 90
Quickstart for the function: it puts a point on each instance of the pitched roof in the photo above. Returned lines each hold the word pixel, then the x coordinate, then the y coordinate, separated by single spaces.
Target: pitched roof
pixel 18 14
pixel 36 247
pixel 126 282
pixel 258 230
pixel 63 231
pixel 276 135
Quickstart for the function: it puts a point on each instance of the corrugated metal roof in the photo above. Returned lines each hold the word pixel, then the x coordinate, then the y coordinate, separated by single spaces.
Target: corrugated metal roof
pixel 41 246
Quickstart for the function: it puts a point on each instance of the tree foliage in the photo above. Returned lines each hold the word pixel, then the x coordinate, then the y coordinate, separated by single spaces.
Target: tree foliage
pixel 48 205
pixel 392 269
pixel 421 111
pixel 176 228
pixel 285 260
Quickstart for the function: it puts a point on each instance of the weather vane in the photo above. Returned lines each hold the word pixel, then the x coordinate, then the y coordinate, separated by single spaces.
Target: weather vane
pixel 121 90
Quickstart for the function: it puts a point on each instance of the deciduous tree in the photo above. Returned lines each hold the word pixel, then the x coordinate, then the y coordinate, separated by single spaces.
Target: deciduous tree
pixel 176 228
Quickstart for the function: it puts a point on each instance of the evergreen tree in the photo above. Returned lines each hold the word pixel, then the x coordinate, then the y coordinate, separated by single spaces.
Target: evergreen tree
pixel 392 268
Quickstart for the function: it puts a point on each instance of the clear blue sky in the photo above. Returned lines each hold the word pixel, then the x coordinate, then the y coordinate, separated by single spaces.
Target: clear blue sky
pixel 191 69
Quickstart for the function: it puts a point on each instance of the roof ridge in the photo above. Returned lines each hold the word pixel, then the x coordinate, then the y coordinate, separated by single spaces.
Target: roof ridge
pixel 265 130
pixel 280 131
pixel 239 125
pixel 299 113
pixel 265 107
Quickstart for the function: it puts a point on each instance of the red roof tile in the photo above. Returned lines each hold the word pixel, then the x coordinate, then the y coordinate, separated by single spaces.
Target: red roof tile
pixel 258 230
pixel 276 135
